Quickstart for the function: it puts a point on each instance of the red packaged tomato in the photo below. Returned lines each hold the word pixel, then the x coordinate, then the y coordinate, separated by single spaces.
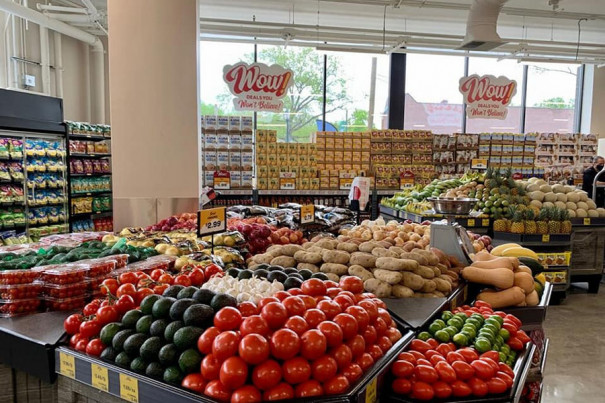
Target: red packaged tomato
pixel 64 304
pixel 64 274
pixel 20 291
pixel 65 290
pixel 26 276
pixel 11 308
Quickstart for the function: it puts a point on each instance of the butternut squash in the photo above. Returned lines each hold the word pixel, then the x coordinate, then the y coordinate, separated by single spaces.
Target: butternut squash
pixel 483 256
pixel 496 263
pixel 523 269
pixel 501 299
pixel 499 278
pixel 525 281
pixel 514 261
pixel 532 298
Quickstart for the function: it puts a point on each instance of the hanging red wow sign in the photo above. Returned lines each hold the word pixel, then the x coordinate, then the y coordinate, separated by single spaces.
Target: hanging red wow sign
pixel 258 87
pixel 487 97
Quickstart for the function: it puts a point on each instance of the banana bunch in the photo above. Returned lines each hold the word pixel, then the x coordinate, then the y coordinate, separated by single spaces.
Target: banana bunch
pixel 418 207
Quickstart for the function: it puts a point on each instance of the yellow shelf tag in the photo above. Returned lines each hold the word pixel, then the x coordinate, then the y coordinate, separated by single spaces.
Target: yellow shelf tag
pixel 212 221
pixel 546 238
pixel 307 213
pixel 485 222
pixel 67 365
pixel 99 377
pixel 371 391
pixel 587 221
pixel 129 388
pixel 471 222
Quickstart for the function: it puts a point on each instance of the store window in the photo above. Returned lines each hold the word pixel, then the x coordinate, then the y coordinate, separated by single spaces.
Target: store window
pixel 350 106
pixel 303 104
pixel 432 99
pixel 511 70
pixel 551 98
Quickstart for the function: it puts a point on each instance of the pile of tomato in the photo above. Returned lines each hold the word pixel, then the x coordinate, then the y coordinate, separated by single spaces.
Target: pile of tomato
pixel 310 341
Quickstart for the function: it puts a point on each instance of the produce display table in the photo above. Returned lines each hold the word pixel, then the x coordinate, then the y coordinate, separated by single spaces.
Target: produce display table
pixel 27 343
pixel 477 225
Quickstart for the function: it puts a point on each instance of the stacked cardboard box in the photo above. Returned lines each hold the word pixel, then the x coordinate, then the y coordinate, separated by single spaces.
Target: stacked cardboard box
pixel 564 156
pixel 341 156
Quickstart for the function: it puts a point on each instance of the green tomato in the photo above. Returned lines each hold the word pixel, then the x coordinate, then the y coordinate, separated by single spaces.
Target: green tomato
pixel 504 334
pixel 442 336
pixel 482 345
pixel 424 336
pixel 461 340
pixel 451 330
pixel 446 315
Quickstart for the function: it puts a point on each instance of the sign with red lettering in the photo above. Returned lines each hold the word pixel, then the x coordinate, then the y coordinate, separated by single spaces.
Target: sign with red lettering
pixel 258 87
pixel 487 97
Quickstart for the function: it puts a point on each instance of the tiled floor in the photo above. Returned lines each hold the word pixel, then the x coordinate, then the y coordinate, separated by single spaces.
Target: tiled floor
pixel 575 366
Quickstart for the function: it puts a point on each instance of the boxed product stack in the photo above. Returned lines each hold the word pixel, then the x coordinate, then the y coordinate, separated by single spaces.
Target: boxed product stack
pixel 228 147
pixel 467 149
pixel 285 166
pixel 565 156
pixel 444 155
pixel 341 156
pixel 395 152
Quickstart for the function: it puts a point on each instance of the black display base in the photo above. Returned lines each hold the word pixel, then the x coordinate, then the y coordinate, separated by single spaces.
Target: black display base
pixel 593 280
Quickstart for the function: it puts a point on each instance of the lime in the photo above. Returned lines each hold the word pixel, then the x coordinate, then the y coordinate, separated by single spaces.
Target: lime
pixel 504 334
pixel 502 356
pixel 442 336
pixel 505 349
pixel 456 322
pixel 434 327
pixel 424 336
pixel 451 330
pixel 460 340
pixel 461 316
pixel 440 323
pixel 470 331
pixel 482 345
pixel 446 315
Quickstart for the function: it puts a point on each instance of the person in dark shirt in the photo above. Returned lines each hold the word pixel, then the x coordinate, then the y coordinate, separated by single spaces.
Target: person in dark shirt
pixel 588 180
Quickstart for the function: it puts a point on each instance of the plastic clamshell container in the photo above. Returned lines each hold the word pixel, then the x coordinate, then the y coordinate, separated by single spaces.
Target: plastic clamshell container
pixel 94 284
pixel 20 291
pixel 147 266
pixel 64 274
pixel 121 260
pixel 18 307
pixel 65 304
pixel 25 276
pixel 65 290
pixel 99 267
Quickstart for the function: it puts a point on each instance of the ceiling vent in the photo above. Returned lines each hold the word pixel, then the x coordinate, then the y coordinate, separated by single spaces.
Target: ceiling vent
pixel 481 24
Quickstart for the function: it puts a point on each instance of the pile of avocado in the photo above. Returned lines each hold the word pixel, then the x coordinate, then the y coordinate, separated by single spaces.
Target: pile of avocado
pixel 159 339
pixel 63 254
pixel 289 277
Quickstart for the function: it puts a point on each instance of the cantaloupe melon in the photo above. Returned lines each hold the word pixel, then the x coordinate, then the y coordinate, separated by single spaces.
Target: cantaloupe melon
pixel 545 188
pixel 582 205
pixel 562 197
pixel 550 197
pixel 593 213
pixel 533 188
pixel 536 195
pixel 573 197
pixel 541 182
pixel 548 204
pixel 568 189
pixel 558 188
pixel 591 204
pixel 583 196
pixel 571 206
pixel 601 212
pixel 572 213
pixel 536 203
pixel 581 213
pixel 560 205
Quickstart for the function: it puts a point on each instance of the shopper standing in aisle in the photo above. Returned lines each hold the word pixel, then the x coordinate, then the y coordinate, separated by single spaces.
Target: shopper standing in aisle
pixel 588 180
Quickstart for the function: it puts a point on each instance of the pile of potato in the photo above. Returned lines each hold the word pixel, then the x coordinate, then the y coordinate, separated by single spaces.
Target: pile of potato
pixel 389 265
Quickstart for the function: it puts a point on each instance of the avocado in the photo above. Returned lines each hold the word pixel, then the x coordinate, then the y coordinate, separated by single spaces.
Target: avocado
pixel 189 361
pixel 172 291
pixel 108 331
pixel 144 324
pixel 275 268
pixel 305 273
pixel 109 354
pixel 123 360
pixel 292 282
pixel 171 330
pixel 320 276
pixel 151 348
pixel 222 300
pixel 158 327
pixel 154 370
pixel 187 292
pixel 120 337
pixel 133 344
pixel 244 274
pixel 295 275
pixel 234 272
pixel 173 375
pixel 130 318
pixel 290 270
pixel 262 266
pixel 203 296
pixel 186 337
pixel 262 273
pixel 178 308
pixel 138 365
pixel 168 354
pixel 198 315
pixel 161 307
pixel 147 303
pixel 279 276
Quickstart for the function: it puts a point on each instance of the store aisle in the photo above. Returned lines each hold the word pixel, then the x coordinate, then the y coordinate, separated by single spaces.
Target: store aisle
pixel 576 358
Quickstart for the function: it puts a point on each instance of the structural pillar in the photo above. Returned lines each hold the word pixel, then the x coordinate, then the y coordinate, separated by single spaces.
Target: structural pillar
pixel 153 81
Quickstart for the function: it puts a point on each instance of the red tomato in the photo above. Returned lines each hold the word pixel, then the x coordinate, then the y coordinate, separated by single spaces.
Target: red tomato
pixel 393 334
pixel 127 289
pixel 515 343
pixel 469 354
pixel 295 291
pixel 506 369
pixel 445 371
pixel 282 295
pixel 336 385
pixel 228 318
pixel 402 386
pixel 89 329
pixel 225 345
pixel 194 382
pixel 348 324
pixel 492 363
pixel 294 305
pixel 233 372
pixel 353 372
pixel 313 344
pixel 406 356
pixel 402 369
pixel 506 378
pixel 296 370
pixel 365 361
pixel 297 324
pixel 344 301
pixel 159 289
pixel 210 367
pixel 254 349
pixel 376 352
pixel 314 317
pixel 142 293
pixel 95 347
pixel 420 345
pixel 275 314
pixel 91 308
pixel 314 287
pixel 204 343
pixel 124 304
pixel 109 286
pixel 442 389
pixel 106 314
pixel 332 331
pixel 357 345
pixel 371 309
pixel 309 389
pixel 330 308
pixel 81 345
pixel 360 314
pixel 73 340
pixel 248 308
pixel 460 389
pixel 453 357
pixel 246 394
pixel 380 326
pixel 512 318
pixel 266 300
pixel 211 270
pixel 370 335
pixel 156 273
pixel 166 279
pixel 332 291
pixel 430 353
pixel 463 370
pixel 511 327
pixel 197 277
pixel 128 278
pixel 284 344
pixel 330 284
pixel 351 283
pixel 483 370
pixel 496 386
pixel 266 375
pixel 72 323
pixel 433 343
pixel 523 337
pixel 184 280
pixel 309 301
pixel 254 324
pixel 422 361
pixel 343 356
pixel 492 354
pixel 478 386
pixel 283 391
pixel 324 368
pixel 422 391
pixel 216 390
pixel 425 373
pixel 385 344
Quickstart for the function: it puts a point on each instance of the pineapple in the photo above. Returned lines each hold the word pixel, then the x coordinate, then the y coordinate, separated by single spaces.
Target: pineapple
pixel 565 223
pixel 554 223
pixel 542 224
pixel 500 223
pixel 517 226
pixel 530 224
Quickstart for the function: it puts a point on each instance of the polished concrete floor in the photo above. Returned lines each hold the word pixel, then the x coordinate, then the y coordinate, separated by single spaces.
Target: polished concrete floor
pixel 575 365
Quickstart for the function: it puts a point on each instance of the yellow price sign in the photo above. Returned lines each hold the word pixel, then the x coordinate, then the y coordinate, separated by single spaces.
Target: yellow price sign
pixel 345 183
pixel 307 214
pixel 471 222
pixel 371 396
pixel 406 183
pixel 587 221
pixel 129 388
pixel 287 183
pixel 67 365
pixel 99 377
pixel 485 222
pixel 211 221
pixel 546 238
pixel 222 183
pixel 479 163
